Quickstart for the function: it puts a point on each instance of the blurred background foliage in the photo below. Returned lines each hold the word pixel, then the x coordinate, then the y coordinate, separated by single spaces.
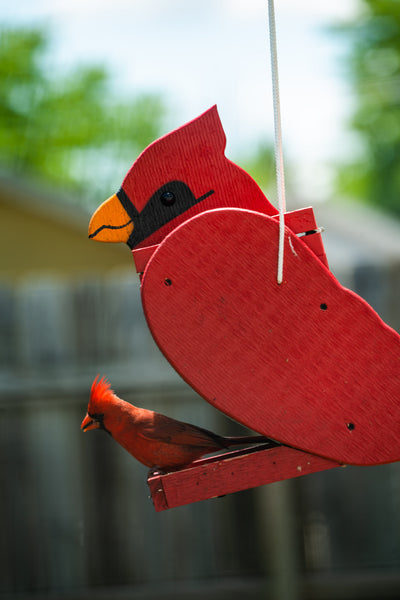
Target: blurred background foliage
pixel 83 505
pixel 373 68
pixel 70 129
pixel 73 130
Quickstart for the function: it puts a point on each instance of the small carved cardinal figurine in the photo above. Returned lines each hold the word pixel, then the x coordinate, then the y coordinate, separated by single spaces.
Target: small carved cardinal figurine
pixel 178 176
pixel 155 440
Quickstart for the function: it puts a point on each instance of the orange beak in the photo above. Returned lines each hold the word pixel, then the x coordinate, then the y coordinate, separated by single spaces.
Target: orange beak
pixel 110 222
pixel 89 423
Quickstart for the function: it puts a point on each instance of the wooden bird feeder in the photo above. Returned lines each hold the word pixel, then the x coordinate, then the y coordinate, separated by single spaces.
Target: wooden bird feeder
pixel 241 469
pixel 297 358
pixel 304 362
pixel 244 343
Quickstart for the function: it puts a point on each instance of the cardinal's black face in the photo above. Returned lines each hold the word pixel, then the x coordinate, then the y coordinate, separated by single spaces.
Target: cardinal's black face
pixel 170 201
pixel 169 179
pixel 94 421
pixel 167 203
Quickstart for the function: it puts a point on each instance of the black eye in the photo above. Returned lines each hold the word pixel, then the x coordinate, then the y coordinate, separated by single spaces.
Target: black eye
pixel 97 416
pixel 167 198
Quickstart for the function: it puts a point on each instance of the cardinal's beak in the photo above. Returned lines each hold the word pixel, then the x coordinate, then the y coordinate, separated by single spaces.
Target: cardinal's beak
pixel 89 423
pixel 110 222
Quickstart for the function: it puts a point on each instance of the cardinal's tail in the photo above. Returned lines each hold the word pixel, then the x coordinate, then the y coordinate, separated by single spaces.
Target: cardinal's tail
pixel 249 439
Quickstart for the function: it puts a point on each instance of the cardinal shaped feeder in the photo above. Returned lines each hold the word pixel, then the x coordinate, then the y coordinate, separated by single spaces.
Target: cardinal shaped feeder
pixel 307 363
pixel 301 360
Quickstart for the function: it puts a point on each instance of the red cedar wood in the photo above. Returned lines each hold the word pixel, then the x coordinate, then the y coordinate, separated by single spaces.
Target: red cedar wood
pixel 238 470
pixel 241 470
pixel 232 472
pixel 307 363
pixel 299 221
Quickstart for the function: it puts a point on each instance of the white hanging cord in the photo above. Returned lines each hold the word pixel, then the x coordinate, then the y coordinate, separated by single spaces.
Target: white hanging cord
pixel 280 174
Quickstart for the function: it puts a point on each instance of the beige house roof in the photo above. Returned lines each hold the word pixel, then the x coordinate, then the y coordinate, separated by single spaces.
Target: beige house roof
pixel 41 232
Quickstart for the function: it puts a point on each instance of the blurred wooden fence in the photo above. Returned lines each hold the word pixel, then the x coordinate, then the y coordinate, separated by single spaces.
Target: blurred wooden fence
pixel 77 520
pixel 75 507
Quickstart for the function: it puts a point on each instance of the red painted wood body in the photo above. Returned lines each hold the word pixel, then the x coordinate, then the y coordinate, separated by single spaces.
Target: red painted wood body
pixel 232 472
pixel 301 221
pixel 307 362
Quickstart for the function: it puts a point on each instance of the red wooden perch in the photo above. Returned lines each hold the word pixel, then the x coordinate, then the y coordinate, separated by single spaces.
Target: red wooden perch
pixel 232 472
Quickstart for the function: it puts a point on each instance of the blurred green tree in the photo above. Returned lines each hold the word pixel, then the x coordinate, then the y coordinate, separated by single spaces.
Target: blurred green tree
pixel 374 69
pixel 68 129
pixel 261 165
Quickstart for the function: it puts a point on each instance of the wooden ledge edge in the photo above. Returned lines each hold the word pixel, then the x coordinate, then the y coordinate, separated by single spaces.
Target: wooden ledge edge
pixel 232 472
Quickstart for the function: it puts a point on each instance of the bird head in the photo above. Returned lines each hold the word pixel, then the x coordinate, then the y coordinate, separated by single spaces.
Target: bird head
pixel 176 177
pixel 101 404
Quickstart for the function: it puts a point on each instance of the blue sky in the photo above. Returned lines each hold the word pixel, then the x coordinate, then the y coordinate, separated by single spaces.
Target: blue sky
pixel 202 52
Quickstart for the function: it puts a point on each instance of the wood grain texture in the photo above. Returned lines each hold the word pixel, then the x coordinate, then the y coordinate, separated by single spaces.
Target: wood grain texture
pixel 308 363
pixel 232 472
pixel 141 256
pixel 301 221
